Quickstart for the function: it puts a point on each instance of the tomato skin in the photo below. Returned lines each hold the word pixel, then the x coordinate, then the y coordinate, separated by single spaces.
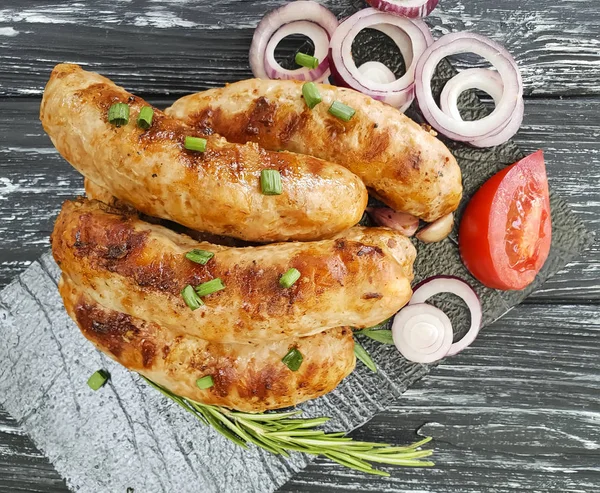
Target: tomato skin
pixel 487 234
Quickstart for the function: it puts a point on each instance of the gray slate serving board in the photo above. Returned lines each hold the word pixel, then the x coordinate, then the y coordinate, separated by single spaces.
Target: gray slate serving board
pixel 128 435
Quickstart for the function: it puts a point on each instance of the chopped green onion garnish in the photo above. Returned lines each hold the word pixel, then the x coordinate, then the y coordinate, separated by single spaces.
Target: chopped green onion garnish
pixel 289 278
pixel 311 94
pixel 341 111
pixel 195 144
pixel 118 114
pixel 191 298
pixel 305 60
pixel 270 182
pixel 199 256
pixel 362 355
pixel 98 379
pixel 205 382
pixel 210 287
pixel 293 359
pixel 145 117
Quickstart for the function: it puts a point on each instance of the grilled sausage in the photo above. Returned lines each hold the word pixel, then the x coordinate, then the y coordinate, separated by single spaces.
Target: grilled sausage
pixel 140 269
pixel 96 192
pixel 217 191
pixel 246 377
pixel 402 164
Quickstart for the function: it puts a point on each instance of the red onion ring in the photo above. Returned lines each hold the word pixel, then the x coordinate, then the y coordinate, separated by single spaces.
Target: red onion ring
pixel 490 82
pixel 422 333
pixel 399 221
pixel 317 35
pixel 302 17
pixel 507 107
pixel 483 79
pixel 407 8
pixel 447 284
pixel 398 93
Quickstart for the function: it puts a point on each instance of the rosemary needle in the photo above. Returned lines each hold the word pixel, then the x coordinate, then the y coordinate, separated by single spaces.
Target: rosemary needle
pixel 280 433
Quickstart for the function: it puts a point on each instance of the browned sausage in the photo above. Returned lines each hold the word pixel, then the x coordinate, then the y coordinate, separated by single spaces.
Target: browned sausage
pixel 359 279
pixel 402 164
pixel 217 191
pixel 247 377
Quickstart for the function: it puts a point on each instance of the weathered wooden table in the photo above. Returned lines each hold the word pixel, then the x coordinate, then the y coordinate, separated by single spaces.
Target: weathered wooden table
pixel 520 410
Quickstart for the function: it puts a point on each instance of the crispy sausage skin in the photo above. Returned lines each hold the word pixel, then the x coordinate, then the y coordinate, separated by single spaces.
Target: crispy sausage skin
pixel 140 269
pixel 401 163
pixel 217 191
pixel 247 377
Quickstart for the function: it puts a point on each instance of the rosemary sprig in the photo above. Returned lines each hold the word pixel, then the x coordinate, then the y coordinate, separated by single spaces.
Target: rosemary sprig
pixel 283 432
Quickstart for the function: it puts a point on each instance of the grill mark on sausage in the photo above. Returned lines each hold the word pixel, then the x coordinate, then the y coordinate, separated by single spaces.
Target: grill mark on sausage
pixel 261 116
pixel 110 329
pixel 376 144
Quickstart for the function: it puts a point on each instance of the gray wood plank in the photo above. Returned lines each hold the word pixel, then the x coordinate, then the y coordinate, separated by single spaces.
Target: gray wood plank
pixel 518 411
pixel 35 180
pixel 179 47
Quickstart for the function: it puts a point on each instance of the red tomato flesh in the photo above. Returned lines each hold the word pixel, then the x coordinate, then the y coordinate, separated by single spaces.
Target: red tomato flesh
pixel 505 233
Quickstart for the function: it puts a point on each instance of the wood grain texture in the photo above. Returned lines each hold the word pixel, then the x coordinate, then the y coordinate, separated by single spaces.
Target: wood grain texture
pixel 182 46
pixel 519 411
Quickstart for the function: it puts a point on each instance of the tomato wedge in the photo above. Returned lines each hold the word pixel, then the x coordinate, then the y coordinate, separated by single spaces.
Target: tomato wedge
pixel 505 233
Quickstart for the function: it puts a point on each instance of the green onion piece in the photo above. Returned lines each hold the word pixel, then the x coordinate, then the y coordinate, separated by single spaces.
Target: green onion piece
pixel 210 287
pixel 145 117
pixel 362 355
pixel 384 336
pixel 289 278
pixel 205 382
pixel 305 60
pixel 195 144
pixel 191 298
pixel 311 94
pixel 199 256
pixel 118 114
pixel 98 379
pixel 270 182
pixel 293 359
pixel 341 111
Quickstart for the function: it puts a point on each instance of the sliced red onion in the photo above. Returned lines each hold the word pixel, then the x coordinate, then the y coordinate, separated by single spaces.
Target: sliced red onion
pixel 398 93
pixel 437 230
pixel 420 23
pixel 318 36
pixel 447 284
pixel 483 79
pixel 490 82
pixel 507 132
pixel 400 221
pixel 407 8
pixel 377 72
pixel 504 63
pixel 300 17
pixel 422 333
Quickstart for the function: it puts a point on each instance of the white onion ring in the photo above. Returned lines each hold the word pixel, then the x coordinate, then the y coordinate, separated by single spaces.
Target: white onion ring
pixel 407 8
pixel 301 12
pixel 422 333
pixel 398 93
pixel 447 284
pixel 488 126
pixel 377 72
